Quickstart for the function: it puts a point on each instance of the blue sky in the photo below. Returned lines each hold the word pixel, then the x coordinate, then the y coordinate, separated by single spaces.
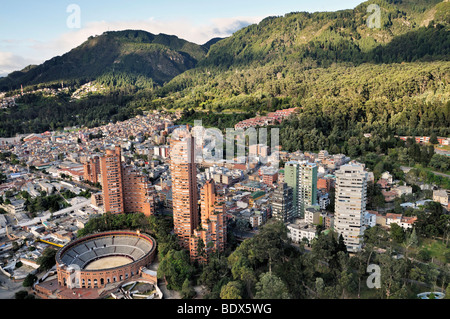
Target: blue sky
pixel 35 31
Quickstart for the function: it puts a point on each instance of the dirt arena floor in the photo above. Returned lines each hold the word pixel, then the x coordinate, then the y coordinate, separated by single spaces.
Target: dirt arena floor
pixel 108 262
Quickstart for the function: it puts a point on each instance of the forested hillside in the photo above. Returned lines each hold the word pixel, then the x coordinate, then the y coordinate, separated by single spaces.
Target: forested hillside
pixel 137 53
pixel 343 36
pixel 347 78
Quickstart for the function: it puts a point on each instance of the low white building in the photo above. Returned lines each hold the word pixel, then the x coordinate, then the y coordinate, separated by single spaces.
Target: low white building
pixel 46 187
pixel 312 216
pixel 407 222
pixel 299 229
pixel 403 190
pixel 441 196
pixel 16 207
pixel 370 220
pixel 402 221
pixel 388 177
pixel 393 219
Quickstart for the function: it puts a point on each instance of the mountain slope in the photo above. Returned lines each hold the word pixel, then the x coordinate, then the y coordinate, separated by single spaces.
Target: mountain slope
pixel 278 48
pixel 158 57
pixel 343 36
pixel 344 76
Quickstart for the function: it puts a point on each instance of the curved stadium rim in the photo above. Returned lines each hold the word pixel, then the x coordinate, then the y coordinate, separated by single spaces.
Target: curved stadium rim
pixel 76 242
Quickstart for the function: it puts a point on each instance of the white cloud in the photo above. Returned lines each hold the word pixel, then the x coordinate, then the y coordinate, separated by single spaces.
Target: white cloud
pixel 9 62
pixel 227 26
pixel 185 29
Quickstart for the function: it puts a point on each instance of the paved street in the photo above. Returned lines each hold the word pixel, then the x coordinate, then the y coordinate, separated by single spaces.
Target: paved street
pixel 407 169
pixel 8 288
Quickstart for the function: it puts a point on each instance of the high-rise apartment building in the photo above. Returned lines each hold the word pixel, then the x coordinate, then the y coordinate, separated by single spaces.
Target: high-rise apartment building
pixel 291 174
pixel 282 203
pixel 302 177
pixel 125 190
pixel 307 196
pixel 111 180
pixel 137 192
pixel 92 170
pixel 211 235
pixel 204 233
pixel 350 205
pixel 184 186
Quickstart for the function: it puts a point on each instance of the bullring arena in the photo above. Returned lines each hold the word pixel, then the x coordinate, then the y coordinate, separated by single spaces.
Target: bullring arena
pixel 97 260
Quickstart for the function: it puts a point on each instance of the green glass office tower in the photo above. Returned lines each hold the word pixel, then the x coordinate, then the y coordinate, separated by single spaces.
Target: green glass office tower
pixel 291 172
pixel 307 186
pixel 302 177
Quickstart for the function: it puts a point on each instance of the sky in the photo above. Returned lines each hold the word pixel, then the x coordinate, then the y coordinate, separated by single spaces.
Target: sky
pixel 32 32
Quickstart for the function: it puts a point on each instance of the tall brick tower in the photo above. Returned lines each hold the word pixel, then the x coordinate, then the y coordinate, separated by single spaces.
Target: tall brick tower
pixel 92 170
pixel 184 186
pixel 211 236
pixel 136 191
pixel 125 189
pixel 111 179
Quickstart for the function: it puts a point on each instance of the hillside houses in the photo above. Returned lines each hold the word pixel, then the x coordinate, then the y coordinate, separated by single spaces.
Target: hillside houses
pixel 270 119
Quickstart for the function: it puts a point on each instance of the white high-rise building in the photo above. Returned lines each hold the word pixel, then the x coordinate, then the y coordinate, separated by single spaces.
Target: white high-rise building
pixel 350 205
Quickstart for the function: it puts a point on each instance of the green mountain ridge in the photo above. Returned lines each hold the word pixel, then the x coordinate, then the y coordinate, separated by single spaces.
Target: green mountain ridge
pixel 342 36
pixel 346 78
pixel 331 64
pixel 289 56
pixel 158 57
pixel 324 37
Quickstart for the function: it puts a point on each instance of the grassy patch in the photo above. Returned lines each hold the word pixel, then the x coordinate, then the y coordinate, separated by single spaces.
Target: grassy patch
pixel 437 249
pixel 367 293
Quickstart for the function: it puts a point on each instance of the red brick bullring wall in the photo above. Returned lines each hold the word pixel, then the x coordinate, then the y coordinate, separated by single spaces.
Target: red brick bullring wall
pixel 100 278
